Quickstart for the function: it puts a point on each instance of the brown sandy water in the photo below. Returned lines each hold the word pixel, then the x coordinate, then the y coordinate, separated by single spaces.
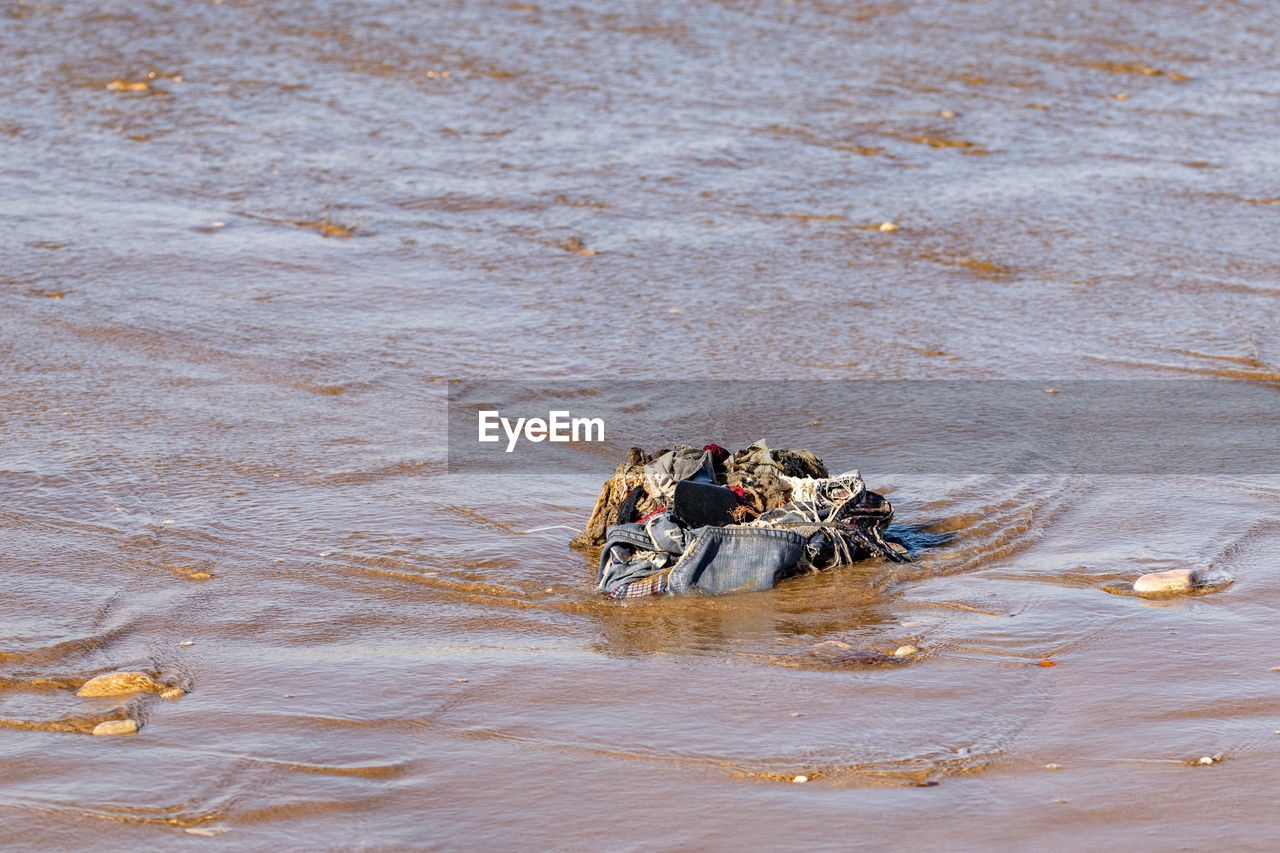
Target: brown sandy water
pixel 232 286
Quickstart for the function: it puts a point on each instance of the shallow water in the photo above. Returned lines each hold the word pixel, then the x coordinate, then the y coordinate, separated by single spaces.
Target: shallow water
pixel 230 302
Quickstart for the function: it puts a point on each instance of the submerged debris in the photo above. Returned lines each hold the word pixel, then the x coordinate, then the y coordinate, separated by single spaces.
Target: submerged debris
pixel 705 520
pixel 711 521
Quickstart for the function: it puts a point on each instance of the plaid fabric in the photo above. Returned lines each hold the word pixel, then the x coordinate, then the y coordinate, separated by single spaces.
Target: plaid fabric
pixel 658 584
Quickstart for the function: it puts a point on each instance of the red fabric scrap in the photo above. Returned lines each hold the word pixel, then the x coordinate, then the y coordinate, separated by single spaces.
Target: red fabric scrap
pixel 718 453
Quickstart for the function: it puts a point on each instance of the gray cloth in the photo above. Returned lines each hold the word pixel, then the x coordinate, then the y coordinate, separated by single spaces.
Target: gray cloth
pixel 683 463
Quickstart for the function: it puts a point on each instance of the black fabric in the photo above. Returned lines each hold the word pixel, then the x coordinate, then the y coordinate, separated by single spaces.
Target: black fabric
pixel 627 509
pixel 701 504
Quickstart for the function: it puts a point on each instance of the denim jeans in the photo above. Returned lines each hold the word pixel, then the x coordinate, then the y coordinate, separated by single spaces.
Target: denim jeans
pixel 737 559
pixel 710 560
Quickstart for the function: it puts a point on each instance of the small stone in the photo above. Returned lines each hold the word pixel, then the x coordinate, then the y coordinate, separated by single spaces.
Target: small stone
pixel 199 576
pixel 120 684
pixel 167 521
pixel 1053 767
pixel 288 695
pixel 1207 759
pixel 173 693
pixel 1121 96
pixel 1051 390
pixel 206 831
pixel 186 643
pixel 796 714
pixel 116 727
pixel 800 779
pixel 1174 580
pixel 889 226
pixel 460 680
pixel 903 651
pixel 948 113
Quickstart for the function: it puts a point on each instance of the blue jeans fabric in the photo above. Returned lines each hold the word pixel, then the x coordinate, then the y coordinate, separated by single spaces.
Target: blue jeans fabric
pixel 711 560
pixel 660 538
pixel 737 559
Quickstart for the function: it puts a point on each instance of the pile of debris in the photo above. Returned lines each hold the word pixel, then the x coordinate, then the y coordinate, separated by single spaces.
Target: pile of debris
pixel 703 520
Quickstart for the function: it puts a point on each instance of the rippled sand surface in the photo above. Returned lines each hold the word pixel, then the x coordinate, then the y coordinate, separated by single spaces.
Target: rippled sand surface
pixel 245 244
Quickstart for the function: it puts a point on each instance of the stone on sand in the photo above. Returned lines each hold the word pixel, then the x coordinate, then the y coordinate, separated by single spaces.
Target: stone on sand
pixel 120 684
pixel 116 727
pixel 1174 580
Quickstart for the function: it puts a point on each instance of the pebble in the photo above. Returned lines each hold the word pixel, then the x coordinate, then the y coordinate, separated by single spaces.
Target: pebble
pixel 1053 767
pixel 948 113
pixel 796 714
pixel 1174 580
pixel 185 643
pixel 800 779
pixel 173 693
pixel 1207 759
pixel 116 727
pixel 120 684
pixel 206 831
pixel 903 651
pixel 888 226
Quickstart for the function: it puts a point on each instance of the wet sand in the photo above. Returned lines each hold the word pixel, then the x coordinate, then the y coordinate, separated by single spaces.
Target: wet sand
pixel 246 246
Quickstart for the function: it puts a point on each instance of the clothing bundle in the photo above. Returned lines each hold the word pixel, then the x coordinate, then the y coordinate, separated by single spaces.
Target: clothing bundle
pixel 691 520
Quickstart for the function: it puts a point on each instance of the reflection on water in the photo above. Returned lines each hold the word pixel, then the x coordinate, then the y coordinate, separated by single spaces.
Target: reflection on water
pixel 247 245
